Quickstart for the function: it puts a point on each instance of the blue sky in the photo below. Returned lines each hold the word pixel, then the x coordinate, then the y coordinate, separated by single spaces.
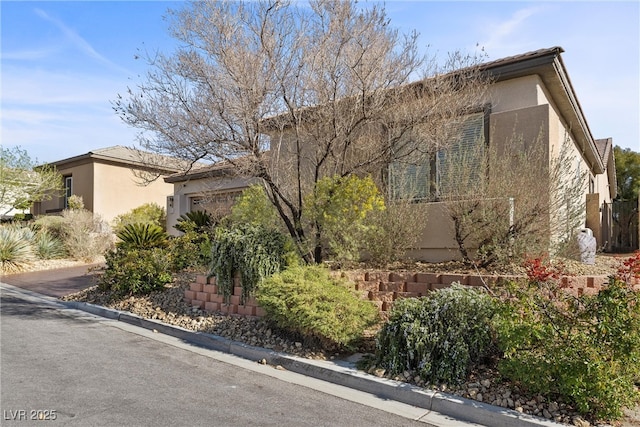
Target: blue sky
pixel 63 62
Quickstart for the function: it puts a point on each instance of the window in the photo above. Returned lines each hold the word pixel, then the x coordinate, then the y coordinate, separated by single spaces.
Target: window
pixel 432 176
pixel 68 190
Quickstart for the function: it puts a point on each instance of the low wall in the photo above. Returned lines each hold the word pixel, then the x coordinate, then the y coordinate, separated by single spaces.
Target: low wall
pixel 204 294
pixel 383 287
pixel 380 287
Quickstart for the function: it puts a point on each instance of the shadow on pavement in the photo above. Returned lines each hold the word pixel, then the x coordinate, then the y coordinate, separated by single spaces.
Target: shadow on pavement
pixel 18 307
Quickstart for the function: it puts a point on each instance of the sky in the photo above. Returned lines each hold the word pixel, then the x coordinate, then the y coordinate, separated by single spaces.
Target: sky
pixel 63 62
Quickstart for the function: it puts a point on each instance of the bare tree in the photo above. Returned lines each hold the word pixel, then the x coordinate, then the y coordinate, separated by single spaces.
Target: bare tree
pixel 289 94
pixel 515 199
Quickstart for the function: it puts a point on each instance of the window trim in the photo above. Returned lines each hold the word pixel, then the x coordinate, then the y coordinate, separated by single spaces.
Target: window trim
pixel 68 190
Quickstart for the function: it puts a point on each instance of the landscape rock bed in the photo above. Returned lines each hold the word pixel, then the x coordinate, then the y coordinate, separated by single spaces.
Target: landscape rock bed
pixel 484 385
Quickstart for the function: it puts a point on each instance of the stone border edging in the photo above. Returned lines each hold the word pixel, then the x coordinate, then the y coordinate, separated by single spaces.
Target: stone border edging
pixel 454 406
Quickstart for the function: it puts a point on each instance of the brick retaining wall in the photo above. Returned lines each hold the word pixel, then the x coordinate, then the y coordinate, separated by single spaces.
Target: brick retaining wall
pixel 204 294
pixel 381 287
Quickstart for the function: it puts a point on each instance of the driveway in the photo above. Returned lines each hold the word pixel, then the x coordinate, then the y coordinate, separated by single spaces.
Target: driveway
pixel 55 283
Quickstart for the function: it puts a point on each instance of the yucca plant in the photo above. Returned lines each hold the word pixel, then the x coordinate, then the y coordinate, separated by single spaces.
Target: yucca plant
pixel 142 236
pixel 196 221
pixel 15 248
pixel 47 246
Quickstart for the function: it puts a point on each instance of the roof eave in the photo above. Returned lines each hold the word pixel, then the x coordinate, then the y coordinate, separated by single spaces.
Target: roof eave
pixel 87 157
pixel 549 66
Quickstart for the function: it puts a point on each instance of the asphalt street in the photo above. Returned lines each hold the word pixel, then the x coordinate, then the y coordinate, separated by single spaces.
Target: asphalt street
pixel 66 367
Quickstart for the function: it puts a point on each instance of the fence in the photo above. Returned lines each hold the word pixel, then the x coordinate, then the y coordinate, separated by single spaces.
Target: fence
pixel 620 226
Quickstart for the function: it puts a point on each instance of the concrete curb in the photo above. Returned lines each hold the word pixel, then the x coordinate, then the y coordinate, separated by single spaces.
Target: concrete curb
pixel 343 374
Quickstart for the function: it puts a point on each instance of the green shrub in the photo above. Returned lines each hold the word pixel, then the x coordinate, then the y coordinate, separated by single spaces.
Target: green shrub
pixel 439 336
pixel 22 217
pixel 197 221
pixel 149 213
pixel 16 250
pixel 190 250
pixel 391 232
pixel 135 271
pixel 84 235
pixel 254 208
pixel 585 349
pixel 47 246
pixel 250 251
pixel 142 236
pixel 309 302
pixel 339 209
pixel 75 202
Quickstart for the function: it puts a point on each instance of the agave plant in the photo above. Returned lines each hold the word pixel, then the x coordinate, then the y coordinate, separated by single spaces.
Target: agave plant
pixel 47 246
pixel 15 248
pixel 142 236
pixel 196 221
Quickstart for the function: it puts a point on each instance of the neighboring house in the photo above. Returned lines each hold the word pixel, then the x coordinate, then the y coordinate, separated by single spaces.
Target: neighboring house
pixel 531 97
pixel 109 180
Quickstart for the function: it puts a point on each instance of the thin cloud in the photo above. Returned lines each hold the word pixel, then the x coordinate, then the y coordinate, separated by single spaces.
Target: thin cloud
pixel 29 86
pixel 79 42
pixel 502 35
pixel 27 55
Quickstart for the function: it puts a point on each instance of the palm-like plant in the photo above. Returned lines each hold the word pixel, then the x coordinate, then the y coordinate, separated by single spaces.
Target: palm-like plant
pixel 142 236
pixel 47 246
pixel 196 221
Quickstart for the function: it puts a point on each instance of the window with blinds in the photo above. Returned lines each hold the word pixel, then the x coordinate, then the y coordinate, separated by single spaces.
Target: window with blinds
pixel 434 176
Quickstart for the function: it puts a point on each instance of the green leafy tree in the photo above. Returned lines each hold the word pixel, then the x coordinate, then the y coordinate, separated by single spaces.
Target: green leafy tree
pixel 627 173
pixel 253 207
pixel 22 183
pixel 339 208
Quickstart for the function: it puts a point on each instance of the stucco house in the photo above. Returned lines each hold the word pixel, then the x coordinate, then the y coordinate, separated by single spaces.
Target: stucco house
pixel 109 180
pixel 530 96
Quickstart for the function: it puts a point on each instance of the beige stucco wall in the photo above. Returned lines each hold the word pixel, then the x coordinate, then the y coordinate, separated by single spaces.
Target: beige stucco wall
pixel 522 113
pixel 436 243
pixel 82 185
pixel 117 191
pixel 517 93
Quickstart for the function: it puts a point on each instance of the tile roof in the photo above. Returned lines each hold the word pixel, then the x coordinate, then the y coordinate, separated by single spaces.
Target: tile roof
pixel 604 147
pixel 556 50
pixel 133 157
